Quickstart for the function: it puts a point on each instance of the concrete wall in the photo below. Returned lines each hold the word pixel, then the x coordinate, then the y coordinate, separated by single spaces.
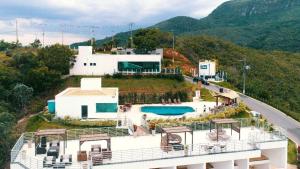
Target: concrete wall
pixel 105 63
pixel 71 105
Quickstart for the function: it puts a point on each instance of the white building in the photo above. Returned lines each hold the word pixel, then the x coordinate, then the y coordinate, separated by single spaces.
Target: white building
pixel 89 101
pixel 88 63
pixel 207 69
pixel 256 149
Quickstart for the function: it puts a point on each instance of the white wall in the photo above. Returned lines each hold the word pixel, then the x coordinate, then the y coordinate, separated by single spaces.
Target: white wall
pixel 105 63
pixel 210 68
pixel 71 105
pixel 90 84
pixel 277 157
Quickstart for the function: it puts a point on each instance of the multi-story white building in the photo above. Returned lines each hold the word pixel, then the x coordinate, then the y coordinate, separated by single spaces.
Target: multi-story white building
pixel 207 69
pixel 254 148
pixel 90 100
pixel 88 63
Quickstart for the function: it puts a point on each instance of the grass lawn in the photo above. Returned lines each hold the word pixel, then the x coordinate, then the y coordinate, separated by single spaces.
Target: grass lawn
pixel 206 95
pixel 292 153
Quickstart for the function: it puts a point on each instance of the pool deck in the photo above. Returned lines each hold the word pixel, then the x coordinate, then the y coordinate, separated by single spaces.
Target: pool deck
pixel 135 114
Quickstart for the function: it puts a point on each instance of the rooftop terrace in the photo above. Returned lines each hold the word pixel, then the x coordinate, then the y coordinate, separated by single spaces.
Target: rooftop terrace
pixel 126 148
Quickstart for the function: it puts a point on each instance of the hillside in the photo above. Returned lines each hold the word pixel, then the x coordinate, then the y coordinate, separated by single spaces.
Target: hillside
pixel 273 78
pixel 260 24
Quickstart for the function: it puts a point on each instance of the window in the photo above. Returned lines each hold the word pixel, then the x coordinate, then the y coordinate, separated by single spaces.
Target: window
pixel 94 64
pixel 203 67
pixel 84 64
pixel 91 64
pixel 139 67
pixel 106 107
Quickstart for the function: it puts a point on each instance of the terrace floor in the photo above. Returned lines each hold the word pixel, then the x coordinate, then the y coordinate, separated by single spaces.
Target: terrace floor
pixel 130 148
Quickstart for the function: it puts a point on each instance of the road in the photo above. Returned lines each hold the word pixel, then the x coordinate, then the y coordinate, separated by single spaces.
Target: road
pixel 290 127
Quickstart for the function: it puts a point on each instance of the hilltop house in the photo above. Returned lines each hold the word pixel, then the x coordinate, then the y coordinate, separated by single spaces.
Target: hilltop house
pixel 207 69
pixel 90 100
pixel 88 63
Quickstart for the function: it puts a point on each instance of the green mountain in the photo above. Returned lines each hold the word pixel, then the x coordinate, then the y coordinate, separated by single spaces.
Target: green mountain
pixel 260 24
pixel 273 77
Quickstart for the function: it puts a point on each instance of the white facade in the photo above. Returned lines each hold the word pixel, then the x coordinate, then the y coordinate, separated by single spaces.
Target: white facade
pixel 101 64
pixel 73 102
pixel 207 68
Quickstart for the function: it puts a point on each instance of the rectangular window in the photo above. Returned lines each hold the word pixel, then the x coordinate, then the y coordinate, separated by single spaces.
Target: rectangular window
pixel 94 64
pixel 203 67
pixel 84 64
pixel 106 107
pixel 139 67
pixel 91 64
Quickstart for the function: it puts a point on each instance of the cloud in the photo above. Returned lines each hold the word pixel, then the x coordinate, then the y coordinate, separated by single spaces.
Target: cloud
pixel 110 16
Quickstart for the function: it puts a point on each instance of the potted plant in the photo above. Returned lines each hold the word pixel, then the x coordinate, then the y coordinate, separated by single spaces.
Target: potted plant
pixel 271 129
pixel 186 150
pixel 152 128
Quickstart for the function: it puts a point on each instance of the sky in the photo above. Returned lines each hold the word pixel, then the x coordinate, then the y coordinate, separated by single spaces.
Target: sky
pixel 69 21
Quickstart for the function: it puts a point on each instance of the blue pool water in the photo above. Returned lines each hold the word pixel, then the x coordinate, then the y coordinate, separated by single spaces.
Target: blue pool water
pixel 167 110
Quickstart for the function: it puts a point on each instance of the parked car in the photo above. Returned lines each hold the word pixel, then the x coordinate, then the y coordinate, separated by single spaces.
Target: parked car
pixel 203 81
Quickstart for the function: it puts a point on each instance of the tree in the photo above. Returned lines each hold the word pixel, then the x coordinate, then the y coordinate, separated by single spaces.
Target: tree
pixel 7 121
pixel 146 40
pixel 36 43
pixel 22 95
pixel 57 58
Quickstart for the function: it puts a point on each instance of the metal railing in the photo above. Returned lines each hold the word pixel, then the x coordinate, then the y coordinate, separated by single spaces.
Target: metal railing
pixel 158 153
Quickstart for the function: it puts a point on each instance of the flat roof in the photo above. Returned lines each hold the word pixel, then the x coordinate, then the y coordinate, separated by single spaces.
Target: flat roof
pixel 80 92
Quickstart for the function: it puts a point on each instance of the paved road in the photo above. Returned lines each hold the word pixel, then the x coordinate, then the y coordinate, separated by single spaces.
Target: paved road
pixel 290 126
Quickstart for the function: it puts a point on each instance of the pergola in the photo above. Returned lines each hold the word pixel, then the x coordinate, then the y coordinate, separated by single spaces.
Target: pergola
pixel 95 137
pixel 229 97
pixel 179 129
pixel 234 124
pixel 51 132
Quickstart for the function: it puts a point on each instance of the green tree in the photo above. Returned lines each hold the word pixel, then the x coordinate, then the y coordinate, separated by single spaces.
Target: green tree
pixel 146 40
pixel 57 57
pixel 36 43
pixel 22 95
pixel 7 120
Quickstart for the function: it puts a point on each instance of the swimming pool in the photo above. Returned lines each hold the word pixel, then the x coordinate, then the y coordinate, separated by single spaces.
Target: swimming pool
pixel 167 110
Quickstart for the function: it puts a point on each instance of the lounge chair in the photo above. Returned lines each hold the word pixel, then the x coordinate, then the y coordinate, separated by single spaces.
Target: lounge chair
pixel 97 159
pixel 224 137
pixel 163 101
pixel 53 151
pixel 178 101
pixel 169 101
pixel 66 159
pixel 48 161
pixel 54 143
pixel 175 101
pixel 107 154
pixel 96 148
pixel 40 150
pixel 212 136
pixel 43 142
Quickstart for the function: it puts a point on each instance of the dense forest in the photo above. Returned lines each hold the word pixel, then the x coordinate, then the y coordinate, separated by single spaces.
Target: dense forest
pixel 26 72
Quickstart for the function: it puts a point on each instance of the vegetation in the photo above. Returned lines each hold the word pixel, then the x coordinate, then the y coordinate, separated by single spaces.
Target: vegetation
pixel 26 73
pixel 42 121
pixel 273 77
pixel 268 24
pixel 292 153
pixel 146 40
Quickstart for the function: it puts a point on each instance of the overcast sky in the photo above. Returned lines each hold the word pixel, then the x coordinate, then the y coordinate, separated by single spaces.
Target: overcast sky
pixel 78 18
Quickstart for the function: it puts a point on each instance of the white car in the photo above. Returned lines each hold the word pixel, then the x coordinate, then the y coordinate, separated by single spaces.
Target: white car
pixel 255 114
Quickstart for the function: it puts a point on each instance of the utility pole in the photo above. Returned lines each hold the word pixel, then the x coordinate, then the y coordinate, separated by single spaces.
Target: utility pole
pixel 131 35
pixel 43 33
pixel 17 33
pixel 245 68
